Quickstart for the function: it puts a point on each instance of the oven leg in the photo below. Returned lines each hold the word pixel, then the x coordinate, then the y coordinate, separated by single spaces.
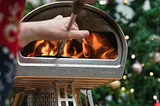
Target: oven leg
pixel 19 97
pixel 88 93
pixel 62 94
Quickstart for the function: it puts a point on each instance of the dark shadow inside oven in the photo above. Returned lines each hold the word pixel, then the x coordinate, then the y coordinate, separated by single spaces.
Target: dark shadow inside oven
pixel 102 45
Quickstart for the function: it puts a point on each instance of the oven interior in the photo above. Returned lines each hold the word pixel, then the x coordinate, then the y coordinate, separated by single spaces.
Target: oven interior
pixel 101 45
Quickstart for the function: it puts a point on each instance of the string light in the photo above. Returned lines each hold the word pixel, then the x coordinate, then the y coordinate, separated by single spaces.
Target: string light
pixel 124 77
pixel 125 2
pixel 132 90
pixel 155 97
pixel 126 37
pixel 123 88
pixel 151 73
pixel 103 2
pixel 133 56
pixel 142 64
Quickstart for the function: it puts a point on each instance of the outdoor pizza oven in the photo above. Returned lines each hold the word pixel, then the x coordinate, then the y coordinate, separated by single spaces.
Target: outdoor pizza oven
pixel 99 60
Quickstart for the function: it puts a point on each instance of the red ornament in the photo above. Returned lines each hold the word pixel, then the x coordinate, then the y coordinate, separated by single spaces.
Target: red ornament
pixel 157 104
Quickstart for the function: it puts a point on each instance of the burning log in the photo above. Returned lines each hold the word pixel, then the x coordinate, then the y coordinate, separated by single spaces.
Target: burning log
pixel 95 46
pixel 87 50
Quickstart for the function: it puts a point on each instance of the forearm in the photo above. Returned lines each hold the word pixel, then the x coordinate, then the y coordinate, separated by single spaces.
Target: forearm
pixel 53 29
pixel 30 31
pixel 47 30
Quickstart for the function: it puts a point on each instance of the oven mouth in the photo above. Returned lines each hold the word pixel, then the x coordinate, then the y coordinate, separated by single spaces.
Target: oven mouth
pixel 104 48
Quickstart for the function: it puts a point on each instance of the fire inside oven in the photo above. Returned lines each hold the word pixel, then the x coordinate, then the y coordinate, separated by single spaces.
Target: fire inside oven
pixel 96 46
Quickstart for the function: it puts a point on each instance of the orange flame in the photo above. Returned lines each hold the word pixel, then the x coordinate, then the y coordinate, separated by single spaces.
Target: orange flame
pixel 95 46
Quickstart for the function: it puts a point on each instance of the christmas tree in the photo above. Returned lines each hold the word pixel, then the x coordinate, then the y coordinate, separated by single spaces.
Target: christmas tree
pixel 140 85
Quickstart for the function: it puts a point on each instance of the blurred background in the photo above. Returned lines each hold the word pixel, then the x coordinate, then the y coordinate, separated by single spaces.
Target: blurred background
pixel 140 21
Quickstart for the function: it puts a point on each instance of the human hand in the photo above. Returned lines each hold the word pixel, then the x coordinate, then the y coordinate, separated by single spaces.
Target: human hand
pixel 53 29
pixel 56 29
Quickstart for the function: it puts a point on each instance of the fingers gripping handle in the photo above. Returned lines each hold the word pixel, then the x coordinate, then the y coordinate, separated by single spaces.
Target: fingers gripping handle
pixel 77 6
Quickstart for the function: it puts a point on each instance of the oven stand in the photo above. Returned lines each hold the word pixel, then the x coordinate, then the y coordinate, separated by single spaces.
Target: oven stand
pixel 68 95
pixel 62 94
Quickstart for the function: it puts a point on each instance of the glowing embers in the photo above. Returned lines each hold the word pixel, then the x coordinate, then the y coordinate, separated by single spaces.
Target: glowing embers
pixel 96 46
